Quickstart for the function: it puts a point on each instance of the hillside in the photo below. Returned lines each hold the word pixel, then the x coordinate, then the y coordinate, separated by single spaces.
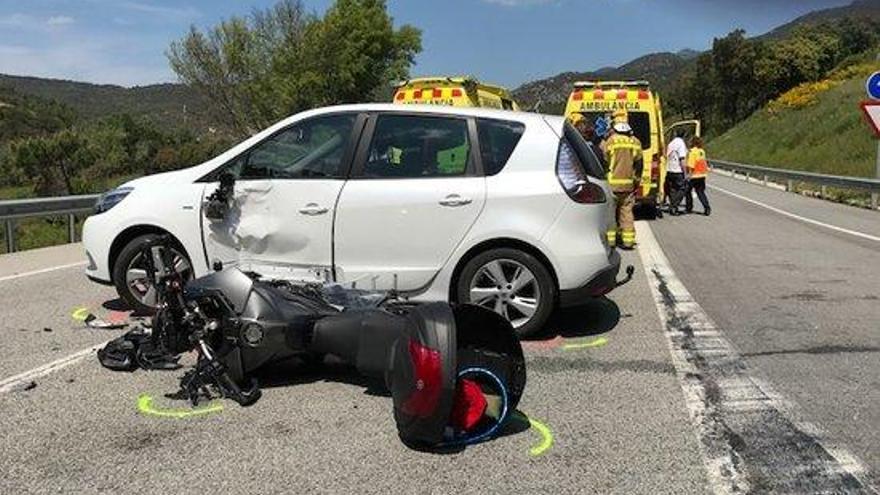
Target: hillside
pixel 172 105
pixel 659 68
pixel 859 9
pixel 817 127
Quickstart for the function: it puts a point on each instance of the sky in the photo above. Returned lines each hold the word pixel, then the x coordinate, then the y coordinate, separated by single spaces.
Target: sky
pixel 507 42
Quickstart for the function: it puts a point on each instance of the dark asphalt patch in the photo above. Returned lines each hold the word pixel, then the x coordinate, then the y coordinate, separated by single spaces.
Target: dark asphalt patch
pixel 825 349
pixel 760 449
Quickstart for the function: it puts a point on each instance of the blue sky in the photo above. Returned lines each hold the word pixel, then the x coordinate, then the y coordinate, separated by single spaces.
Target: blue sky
pixel 504 41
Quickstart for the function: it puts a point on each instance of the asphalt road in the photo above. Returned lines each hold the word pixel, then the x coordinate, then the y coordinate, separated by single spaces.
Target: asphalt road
pixel 796 300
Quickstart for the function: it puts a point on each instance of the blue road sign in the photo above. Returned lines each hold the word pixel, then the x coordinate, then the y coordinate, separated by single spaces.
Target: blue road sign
pixel 874 86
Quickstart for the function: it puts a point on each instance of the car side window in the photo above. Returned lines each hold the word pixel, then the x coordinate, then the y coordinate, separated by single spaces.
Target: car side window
pixel 498 139
pixel 418 146
pixel 311 149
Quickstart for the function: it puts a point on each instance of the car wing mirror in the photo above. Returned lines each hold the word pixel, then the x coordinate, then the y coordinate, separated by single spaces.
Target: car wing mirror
pixel 217 204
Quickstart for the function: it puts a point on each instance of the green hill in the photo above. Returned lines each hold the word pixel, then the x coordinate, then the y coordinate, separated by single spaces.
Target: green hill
pixel 169 105
pixel 816 127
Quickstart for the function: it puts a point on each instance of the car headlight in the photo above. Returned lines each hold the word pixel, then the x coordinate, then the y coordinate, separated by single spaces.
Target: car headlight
pixel 111 198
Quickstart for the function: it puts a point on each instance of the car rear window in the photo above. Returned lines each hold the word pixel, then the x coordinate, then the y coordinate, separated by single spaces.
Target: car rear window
pixel 498 139
pixel 586 153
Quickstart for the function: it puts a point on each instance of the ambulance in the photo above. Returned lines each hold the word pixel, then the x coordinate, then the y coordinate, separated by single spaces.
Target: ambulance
pixel 453 91
pixel 598 101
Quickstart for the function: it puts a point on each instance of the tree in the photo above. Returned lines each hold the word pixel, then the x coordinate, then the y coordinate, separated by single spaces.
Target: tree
pixel 276 62
pixel 51 162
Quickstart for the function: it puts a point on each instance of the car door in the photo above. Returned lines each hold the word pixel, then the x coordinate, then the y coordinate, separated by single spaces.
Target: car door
pixel 414 194
pixel 686 128
pixel 280 223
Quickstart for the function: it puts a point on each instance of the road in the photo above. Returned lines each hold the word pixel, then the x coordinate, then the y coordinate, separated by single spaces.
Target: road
pixel 779 303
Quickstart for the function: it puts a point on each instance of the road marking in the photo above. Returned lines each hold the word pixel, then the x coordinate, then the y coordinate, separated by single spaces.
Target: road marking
pixel 13 382
pixel 80 314
pixel 546 437
pixel 752 438
pixel 146 407
pixel 601 341
pixel 797 217
pixel 44 270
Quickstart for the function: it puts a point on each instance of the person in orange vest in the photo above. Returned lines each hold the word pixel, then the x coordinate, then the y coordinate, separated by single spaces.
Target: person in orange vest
pixel 698 168
pixel 623 153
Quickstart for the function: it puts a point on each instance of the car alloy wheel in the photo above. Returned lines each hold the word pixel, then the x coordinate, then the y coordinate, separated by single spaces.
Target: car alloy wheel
pixel 507 287
pixel 138 283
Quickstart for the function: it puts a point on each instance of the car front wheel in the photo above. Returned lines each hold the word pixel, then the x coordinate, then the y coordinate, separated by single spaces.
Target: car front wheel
pixel 130 275
pixel 513 284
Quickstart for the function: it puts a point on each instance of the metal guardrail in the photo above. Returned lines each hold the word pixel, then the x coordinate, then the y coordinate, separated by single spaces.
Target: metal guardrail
pixel 792 176
pixel 15 209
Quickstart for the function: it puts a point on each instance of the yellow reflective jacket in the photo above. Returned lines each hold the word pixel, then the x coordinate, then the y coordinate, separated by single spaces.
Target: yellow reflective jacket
pixel 623 155
pixel 698 166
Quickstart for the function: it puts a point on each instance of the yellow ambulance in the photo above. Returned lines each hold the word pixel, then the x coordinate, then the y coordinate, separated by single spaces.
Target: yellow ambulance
pixel 597 101
pixel 453 91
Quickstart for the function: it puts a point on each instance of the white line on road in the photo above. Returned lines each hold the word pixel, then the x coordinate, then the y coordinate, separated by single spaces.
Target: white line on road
pixel 22 379
pixel 797 217
pixel 41 271
pixel 752 438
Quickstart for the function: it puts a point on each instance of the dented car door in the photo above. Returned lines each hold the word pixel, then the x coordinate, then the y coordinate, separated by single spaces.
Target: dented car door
pixel 280 220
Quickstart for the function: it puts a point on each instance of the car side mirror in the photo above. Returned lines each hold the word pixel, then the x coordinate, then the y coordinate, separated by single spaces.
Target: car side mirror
pixel 217 204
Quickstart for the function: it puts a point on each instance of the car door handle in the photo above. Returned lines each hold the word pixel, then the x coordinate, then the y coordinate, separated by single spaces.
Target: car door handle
pixel 313 209
pixel 454 200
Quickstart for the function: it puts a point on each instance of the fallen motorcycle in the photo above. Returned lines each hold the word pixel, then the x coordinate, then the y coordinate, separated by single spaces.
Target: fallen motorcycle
pixel 455 372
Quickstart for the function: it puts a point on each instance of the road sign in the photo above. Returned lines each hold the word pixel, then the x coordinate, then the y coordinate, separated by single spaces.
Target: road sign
pixel 872 113
pixel 873 86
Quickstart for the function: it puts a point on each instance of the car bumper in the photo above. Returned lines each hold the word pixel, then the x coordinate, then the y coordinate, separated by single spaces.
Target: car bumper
pixel 602 283
pixel 96 240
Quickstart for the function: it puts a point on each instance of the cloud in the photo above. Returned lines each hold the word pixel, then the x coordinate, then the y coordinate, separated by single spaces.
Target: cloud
pixel 174 13
pixel 60 20
pixel 16 20
pixel 29 22
pixel 519 3
pixel 82 60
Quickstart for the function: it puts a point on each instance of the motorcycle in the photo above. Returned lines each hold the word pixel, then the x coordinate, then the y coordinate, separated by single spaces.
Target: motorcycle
pixel 455 372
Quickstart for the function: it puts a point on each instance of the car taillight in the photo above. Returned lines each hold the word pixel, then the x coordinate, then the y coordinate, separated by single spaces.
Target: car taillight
pixel 573 178
pixel 428 377
pixel 655 167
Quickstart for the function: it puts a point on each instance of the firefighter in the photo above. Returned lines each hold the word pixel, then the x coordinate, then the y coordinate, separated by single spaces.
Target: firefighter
pixel 623 153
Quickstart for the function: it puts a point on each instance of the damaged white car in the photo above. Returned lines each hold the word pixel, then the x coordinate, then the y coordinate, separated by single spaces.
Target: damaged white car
pixel 507 210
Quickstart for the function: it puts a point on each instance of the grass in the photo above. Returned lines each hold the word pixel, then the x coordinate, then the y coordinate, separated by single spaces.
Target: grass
pixel 829 136
pixel 32 233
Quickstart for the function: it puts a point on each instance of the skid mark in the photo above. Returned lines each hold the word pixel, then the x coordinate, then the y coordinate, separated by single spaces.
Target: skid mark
pixel 575 345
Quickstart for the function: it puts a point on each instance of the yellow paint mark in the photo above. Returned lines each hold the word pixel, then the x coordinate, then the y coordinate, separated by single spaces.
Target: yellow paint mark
pixel 544 430
pixel 145 406
pixel 80 314
pixel 601 341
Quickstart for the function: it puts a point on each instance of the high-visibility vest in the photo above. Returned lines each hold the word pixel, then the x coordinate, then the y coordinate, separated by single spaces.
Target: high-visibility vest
pixel 623 152
pixel 698 166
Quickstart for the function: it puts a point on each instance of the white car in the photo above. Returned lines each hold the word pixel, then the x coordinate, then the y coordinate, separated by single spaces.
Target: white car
pixel 504 209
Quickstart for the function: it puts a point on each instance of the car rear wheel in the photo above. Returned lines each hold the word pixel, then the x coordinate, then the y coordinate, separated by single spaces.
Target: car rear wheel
pixel 513 284
pixel 130 275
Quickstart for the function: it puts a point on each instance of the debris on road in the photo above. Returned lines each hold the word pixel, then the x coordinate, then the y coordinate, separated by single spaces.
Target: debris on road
pixel 92 321
pixel 47 329
pixel 24 386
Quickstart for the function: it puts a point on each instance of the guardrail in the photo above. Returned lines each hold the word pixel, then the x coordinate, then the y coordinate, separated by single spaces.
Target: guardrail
pixel 792 176
pixel 15 209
